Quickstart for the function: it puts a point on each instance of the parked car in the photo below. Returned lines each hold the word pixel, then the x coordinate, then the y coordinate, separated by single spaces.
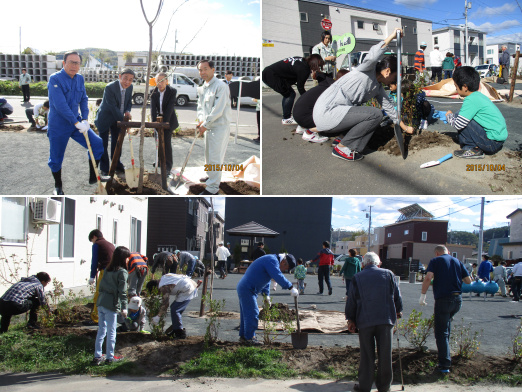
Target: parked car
pixel 486 70
pixel 186 90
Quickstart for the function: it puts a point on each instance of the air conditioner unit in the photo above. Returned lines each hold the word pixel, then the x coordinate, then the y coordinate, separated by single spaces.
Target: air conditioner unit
pixel 46 210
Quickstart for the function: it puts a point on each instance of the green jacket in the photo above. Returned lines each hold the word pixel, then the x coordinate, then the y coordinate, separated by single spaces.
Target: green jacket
pixel 350 268
pixel 448 63
pixel 113 290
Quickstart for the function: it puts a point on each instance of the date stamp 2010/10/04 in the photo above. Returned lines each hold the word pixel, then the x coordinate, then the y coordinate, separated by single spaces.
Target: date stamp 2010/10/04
pixel 486 167
pixel 224 167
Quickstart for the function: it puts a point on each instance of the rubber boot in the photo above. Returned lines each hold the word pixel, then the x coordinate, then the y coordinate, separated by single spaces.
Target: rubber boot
pixel 180 333
pixel 58 182
pixel 92 174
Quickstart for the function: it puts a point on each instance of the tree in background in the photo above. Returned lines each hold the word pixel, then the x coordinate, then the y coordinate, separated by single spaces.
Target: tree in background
pixel 128 56
pixel 28 50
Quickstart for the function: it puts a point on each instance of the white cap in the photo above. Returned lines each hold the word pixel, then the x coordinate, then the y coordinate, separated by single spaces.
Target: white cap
pixel 134 303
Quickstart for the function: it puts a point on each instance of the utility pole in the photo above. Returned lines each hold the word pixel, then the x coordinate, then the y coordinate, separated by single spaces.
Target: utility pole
pixel 20 41
pixel 481 231
pixel 369 229
pixel 175 43
pixel 467 5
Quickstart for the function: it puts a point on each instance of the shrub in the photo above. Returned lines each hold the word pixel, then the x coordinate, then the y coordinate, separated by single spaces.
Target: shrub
pixel 417 329
pixel 152 303
pixel 465 342
pixel 213 321
pixel 10 87
pixel 270 317
pixel 517 344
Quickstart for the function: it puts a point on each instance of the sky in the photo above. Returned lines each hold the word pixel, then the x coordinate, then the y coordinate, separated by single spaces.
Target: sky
pixel 229 27
pixel 501 20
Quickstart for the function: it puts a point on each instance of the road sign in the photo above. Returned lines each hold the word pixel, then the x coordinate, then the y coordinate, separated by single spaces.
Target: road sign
pixel 326 24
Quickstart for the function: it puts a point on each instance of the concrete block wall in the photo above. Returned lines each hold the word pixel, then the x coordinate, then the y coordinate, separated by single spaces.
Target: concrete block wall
pixel 240 66
pixel 40 67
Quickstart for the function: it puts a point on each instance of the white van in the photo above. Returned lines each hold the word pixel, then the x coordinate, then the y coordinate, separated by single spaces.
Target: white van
pixel 186 90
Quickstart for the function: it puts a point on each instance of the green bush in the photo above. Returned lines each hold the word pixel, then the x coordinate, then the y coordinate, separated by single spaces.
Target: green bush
pixel 39 89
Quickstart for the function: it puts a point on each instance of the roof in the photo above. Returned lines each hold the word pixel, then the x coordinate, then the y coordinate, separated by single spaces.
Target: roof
pixel 415 220
pixel 351 7
pixel 512 244
pixel 413 211
pixel 514 212
pixel 457 28
pixel 253 229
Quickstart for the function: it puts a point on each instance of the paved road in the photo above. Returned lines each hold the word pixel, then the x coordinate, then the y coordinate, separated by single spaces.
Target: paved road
pixel 24 155
pixel 294 166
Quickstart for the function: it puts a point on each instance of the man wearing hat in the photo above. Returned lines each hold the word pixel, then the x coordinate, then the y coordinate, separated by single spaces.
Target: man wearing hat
pixel 419 64
pixel 436 59
pixel 222 254
pixel 257 280
pixel 185 258
pixel 116 105
pixel 136 317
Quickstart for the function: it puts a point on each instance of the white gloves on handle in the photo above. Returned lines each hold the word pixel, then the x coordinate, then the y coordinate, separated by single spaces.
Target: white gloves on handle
pixel 156 319
pixel 124 313
pixel 91 281
pixel 294 292
pixel 422 300
pixel 83 126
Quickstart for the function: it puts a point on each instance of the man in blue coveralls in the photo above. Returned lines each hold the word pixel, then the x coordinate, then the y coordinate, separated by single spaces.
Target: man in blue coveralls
pixel 66 93
pixel 257 280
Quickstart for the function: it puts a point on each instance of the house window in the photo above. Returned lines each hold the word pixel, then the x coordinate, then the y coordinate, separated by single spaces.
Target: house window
pixel 425 236
pixel 376 26
pixel 303 16
pixel 406 232
pixel 389 235
pixel 360 24
pixel 190 206
pixel 414 30
pixel 454 254
pixel 61 236
pixel 140 61
pixel 115 231
pixel 306 54
pixel 99 222
pixel 490 51
pixel 457 40
pixel 135 242
pixel 13 220
pixel 436 40
pixel 510 254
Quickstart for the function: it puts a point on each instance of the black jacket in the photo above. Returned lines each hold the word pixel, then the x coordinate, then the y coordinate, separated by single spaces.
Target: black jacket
pixel 169 100
pixel 257 253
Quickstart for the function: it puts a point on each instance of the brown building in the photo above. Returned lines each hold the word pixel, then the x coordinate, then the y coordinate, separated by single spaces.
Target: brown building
pixel 177 223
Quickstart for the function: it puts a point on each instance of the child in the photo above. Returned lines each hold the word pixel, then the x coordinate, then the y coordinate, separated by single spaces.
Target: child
pixel 112 299
pixel 300 275
pixel 448 65
pixel 480 124
pixel 136 317
pixel 350 268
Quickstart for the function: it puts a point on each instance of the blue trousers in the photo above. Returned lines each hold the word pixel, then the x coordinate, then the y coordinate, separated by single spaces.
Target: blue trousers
pixel 445 309
pixel 475 136
pixel 114 131
pixel 248 311
pixel 448 73
pixel 107 323
pixel 191 266
pixel 176 310
pixel 58 139
pixel 347 281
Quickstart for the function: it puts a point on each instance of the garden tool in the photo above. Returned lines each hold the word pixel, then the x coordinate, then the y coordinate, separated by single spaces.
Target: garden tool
pixel 156 136
pixel 397 128
pixel 132 175
pixel 299 339
pixel 437 162
pixel 101 188
pixel 399 347
pixel 180 176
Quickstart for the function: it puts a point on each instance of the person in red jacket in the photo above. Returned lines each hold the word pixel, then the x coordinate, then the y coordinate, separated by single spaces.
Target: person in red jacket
pixel 137 268
pixel 326 260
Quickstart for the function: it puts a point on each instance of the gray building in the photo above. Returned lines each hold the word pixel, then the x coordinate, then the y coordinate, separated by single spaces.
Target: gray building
pixel 302 223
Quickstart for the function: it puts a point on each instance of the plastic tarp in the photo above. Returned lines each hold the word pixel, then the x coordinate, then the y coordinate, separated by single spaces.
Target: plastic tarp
pixel 446 88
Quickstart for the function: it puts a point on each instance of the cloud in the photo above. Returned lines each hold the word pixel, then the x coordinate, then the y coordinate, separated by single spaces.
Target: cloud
pixel 501 39
pixel 494 11
pixel 489 27
pixel 254 2
pixel 414 3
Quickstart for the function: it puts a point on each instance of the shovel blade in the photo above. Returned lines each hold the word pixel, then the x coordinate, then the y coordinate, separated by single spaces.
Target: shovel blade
pixel 400 140
pixel 132 177
pixel 101 189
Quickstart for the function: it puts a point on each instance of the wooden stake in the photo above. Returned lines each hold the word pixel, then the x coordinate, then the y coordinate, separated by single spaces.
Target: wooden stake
pixel 514 77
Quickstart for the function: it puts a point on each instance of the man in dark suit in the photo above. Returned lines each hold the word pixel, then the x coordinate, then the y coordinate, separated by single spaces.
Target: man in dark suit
pixel 259 251
pixel 116 104
pixel 162 103
pixel 228 79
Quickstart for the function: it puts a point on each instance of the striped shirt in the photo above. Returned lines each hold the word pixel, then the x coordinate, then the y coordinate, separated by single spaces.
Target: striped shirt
pixel 458 122
pixel 25 289
pixel 419 60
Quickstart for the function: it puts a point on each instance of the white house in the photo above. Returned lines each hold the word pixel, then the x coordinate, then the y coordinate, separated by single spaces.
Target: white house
pixel 452 39
pixel 493 52
pixel 513 249
pixel 51 234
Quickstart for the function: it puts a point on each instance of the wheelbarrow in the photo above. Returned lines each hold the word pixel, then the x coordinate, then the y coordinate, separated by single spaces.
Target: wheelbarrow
pixel 299 339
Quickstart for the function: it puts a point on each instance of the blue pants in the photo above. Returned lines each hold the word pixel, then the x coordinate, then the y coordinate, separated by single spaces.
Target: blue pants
pixel 176 310
pixel 347 281
pixel 248 311
pixel 58 139
pixel 323 272
pixel 300 285
pixel 475 136
pixel 191 266
pixel 106 326
pixel 105 163
pixel 445 309
pixel 448 73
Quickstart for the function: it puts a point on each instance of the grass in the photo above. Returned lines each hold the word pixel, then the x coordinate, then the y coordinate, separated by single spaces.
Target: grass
pixel 23 352
pixel 244 362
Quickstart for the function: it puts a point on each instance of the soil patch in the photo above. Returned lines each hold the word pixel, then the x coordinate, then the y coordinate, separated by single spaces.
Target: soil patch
pixel 12 128
pixel 227 188
pixel 120 187
pixel 285 313
pixel 424 140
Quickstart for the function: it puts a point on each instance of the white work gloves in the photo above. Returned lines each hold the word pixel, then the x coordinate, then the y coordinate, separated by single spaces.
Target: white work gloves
pixel 294 292
pixel 422 300
pixel 156 319
pixel 91 281
pixel 124 313
pixel 83 126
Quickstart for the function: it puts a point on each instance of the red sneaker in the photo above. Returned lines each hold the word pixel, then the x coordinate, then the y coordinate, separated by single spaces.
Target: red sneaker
pixel 346 154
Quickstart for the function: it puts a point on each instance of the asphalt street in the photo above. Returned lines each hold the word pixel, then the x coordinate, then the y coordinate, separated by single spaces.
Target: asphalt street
pixel 294 166
pixel 24 155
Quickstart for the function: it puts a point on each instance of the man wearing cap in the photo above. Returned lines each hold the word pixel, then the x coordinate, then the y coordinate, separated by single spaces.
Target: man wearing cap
pixel 419 63
pixel 116 105
pixel 257 280
pixel 436 59
pixel 185 258
pixel 222 254
pixel 136 316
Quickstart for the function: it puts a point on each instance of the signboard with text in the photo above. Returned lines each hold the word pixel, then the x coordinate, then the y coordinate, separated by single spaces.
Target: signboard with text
pixel 345 43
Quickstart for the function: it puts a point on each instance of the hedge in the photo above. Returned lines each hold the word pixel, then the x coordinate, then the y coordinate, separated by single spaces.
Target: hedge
pixel 39 89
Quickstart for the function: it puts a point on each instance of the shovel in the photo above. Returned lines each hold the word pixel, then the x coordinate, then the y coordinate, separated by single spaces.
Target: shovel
pixel 397 128
pixel 299 339
pixel 101 188
pixel 178 183
pixel 435 163
pixel 132 175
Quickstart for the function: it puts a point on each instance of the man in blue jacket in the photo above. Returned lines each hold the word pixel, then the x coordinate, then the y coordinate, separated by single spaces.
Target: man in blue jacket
pixel 67 92
pixel 116 104
pixel 257 280
pixel 373 306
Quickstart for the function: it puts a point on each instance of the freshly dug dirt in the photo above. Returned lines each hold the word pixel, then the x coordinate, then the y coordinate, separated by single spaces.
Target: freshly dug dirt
pixel 424 140
pixel 119 187
pixel 227 188
pixel 12 128
pixel 285 313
